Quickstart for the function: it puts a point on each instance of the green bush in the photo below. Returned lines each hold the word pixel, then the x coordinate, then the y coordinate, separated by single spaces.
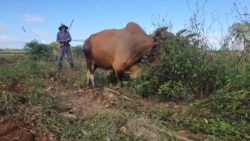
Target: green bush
pixel 238 80
pixel 38 50
pixel 173 90
pixel 184 72
pixel 77 50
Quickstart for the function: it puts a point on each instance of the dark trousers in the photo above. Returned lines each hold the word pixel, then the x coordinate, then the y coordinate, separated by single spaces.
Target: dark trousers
pixel 64 50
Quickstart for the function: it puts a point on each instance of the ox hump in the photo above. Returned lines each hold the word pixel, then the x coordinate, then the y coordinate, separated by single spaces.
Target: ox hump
pixel 134 28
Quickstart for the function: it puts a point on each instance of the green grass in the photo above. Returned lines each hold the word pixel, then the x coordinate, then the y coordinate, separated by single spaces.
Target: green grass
pixel 224 115
pixel 12 51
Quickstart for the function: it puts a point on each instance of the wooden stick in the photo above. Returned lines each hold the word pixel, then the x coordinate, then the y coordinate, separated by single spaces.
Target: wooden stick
pixel 178 137
pixel 127 98
pixel 107 89
pixel 117 93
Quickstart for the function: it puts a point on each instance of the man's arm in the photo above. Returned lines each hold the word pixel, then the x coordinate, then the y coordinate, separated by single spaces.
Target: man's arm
pixel 69 37
pixel 58 37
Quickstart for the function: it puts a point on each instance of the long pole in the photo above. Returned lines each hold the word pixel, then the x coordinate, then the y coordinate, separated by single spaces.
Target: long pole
pixel 71 24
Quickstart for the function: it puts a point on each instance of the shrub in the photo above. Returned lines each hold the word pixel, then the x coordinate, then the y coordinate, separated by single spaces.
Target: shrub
pixel 184 71
pixel 77 50
pixel 38 50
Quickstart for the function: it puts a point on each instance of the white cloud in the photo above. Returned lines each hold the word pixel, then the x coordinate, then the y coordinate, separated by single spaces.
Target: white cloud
pixel 3 27
pixel 2 24
pixel 41 33
pixel 31 18
pixel 44 42
pixel 11 42
pixel 6 39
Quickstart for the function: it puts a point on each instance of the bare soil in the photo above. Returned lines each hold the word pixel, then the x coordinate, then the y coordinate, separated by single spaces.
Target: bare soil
pixel 17 130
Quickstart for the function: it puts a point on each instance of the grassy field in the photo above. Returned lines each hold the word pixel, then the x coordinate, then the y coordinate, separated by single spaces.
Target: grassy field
pixel 12 51
pixel 39 103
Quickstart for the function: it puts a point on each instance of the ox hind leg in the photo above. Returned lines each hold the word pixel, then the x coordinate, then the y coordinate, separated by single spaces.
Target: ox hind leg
pixel 117 76
pixel 90 73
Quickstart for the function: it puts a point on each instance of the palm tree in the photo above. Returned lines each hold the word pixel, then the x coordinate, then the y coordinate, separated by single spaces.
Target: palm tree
pixel 241 33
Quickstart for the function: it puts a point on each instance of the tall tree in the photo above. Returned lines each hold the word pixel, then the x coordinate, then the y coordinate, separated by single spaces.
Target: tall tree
pixel 241 34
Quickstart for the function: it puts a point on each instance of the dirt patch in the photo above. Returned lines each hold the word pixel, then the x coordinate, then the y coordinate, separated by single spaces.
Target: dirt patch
pixel 17 130
pixel 84 101
pixel 60 74
pixel 142 127
pixel 16 85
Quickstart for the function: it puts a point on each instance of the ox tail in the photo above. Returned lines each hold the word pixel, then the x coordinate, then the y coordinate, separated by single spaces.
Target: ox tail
pixel 87 48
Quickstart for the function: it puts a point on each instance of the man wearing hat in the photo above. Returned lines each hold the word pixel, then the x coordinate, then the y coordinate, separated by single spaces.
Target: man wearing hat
pixel 63 37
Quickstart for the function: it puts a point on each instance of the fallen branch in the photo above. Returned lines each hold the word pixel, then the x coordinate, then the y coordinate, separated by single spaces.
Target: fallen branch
pixel 172 135
pixel 110 90
pixel 178 137
pixel 127 98
pixel 117 93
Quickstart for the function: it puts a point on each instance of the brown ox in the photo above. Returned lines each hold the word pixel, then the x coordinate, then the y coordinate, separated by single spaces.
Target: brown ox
pixel 118 49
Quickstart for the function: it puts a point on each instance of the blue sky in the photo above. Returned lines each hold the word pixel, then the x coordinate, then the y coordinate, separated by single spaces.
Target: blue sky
pixel 41 18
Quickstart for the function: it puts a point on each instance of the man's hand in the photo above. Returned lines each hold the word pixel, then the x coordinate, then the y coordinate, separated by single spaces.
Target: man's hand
pixel 64 41
pixel 68 40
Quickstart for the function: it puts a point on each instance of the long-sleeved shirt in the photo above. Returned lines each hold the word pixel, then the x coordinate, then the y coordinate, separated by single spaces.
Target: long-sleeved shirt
pixel 63 37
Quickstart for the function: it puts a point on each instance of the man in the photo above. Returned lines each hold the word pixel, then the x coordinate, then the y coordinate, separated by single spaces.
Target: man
pixel 63 37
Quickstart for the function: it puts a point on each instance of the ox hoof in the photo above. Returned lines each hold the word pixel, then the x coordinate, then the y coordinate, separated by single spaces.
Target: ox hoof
pixel 90 87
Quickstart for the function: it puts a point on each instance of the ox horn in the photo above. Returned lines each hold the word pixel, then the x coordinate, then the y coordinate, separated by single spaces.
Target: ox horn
pixel 159 30
pixel 191 35
pixel 178 34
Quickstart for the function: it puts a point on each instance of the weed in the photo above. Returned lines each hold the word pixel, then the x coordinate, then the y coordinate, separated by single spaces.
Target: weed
pixel 9 102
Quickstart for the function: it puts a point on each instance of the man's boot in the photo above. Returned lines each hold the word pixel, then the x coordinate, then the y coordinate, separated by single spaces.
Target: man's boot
pixel 59 66
pixel 72 67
